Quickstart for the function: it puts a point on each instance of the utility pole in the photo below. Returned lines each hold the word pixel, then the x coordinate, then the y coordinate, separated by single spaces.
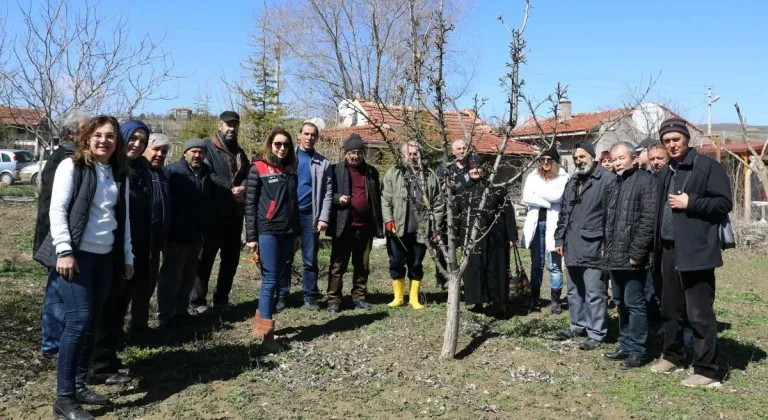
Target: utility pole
pixel 710 101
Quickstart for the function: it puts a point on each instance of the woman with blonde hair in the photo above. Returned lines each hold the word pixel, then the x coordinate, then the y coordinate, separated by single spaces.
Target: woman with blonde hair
pixel 542 193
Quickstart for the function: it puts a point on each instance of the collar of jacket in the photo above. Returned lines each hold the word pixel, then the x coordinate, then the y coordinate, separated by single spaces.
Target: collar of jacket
pixel 627 173
pixel 220 144
pixel 316 158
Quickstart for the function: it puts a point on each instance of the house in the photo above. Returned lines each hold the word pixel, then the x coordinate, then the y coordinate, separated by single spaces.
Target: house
pixel 18 125
pixel 181 114
pixel 363 117
pixel 602 128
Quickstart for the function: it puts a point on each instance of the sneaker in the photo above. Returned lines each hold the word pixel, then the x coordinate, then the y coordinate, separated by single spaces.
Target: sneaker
pixel 666 367
pixel 633 362
pixel 311 305
pixel 619 354
pixel 363 305
pixel 701 381
pixel 333 308
pixel 590 344
pixel 280 305
pixel 199 309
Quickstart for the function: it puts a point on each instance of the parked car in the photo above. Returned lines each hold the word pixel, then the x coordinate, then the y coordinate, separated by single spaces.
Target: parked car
pixel 12 161
pixel 29 173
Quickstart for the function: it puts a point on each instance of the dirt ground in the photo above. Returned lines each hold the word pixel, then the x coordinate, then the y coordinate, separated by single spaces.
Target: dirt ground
pixel 379 364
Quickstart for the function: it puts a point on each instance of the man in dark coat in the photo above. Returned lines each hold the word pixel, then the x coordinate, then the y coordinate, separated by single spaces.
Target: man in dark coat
pixel 628 242
pixel 228 164
pixel 579 238
pixel 355 220
pixel 694 198
pixel 485 277
pixel 190 192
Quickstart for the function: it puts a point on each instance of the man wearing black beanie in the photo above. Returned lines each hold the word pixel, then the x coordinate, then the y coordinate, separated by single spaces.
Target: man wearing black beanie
pixel 355 219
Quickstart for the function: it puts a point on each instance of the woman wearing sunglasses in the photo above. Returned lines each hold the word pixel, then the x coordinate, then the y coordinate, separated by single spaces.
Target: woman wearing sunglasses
pixel 272 223
pixel 542 193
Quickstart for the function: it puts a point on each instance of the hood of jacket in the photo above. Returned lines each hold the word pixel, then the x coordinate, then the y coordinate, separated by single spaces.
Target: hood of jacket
pixel 129 127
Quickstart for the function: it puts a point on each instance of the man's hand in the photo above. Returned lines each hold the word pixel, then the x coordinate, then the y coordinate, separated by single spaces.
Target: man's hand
pixel 343 200
pixel 512 244
pixel 322 226
pixel 67 267
pixel 238 194
pixel 559 250
pixel 678 201
pixel 633 263
pixel 390 227
pixel 129 271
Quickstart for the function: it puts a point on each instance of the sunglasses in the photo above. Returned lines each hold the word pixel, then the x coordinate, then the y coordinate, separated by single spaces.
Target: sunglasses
pixel 546 160
pixel 280 144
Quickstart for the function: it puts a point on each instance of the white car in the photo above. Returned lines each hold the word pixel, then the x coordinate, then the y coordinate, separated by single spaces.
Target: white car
pixel 29 173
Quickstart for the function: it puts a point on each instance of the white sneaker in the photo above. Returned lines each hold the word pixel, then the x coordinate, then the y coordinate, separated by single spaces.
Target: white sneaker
pixel 201 309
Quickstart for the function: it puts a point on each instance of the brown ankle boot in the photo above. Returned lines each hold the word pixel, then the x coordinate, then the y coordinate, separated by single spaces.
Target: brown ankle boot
pixel 264 329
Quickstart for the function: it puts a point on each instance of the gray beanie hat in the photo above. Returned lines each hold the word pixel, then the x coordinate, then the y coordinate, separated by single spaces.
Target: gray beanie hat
pixel 192 144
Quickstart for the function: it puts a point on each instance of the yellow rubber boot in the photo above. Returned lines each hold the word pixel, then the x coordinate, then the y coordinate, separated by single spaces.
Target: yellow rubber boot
pixel 413 297
pixel 398 286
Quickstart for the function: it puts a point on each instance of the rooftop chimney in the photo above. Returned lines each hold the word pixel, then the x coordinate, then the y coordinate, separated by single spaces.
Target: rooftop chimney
pixel 565 109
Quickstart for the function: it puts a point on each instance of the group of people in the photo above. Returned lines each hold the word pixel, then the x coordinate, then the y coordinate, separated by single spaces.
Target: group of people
pixel 115 223
pixel 649 219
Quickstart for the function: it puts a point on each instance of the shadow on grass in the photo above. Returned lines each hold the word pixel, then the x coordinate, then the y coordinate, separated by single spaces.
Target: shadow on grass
pixel 337 325
pixel 166 373
pixel 738 355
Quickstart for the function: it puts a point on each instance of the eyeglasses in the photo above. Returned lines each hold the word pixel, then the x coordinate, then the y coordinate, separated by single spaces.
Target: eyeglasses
pixel 280 144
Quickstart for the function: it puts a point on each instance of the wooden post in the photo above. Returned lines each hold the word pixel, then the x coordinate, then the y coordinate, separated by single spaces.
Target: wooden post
pixel 747 189
pixel 718 146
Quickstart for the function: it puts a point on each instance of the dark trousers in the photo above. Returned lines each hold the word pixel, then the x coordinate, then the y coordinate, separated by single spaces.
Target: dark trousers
pixel 355 243
pixel 83 299
pixel 53 314
pixel 629 295
pixel 143 291
pixel 177 277
pixel 653 302
pixel 310 245
pixel 440 280
pixel 225 235
pixel 406 252
pixel 689 296
pixel 109 333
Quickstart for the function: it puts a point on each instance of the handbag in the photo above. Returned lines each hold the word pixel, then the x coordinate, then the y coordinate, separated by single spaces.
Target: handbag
pixel 725 229
pixel 520 280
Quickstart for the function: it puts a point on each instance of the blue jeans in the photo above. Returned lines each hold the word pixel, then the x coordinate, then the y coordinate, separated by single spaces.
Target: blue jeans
pixel 539 255
pixel 53 315
pixel 276 253
pixel 83 299
pixel 629 295
pixel 309 248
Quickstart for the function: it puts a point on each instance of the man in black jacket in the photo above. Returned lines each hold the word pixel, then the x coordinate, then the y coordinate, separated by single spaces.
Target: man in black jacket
pixel 228 164
pixel 457 180
pixel 694 198
pixel 190 192
pixel 579 239
pixel 628 241
pixel 355 220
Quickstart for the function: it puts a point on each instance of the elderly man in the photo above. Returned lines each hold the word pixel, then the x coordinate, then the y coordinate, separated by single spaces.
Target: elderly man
pixel 228 165
pixel 411 206
pixel 579 238
pixel 694 199
pixel 190 193
pixel 355 220
pixel 628 242
pixel 457 180
pixel 53 309
pixel 315 193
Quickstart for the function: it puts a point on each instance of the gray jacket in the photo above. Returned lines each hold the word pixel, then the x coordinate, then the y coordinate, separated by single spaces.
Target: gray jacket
pixel 322 188
pixel 581 223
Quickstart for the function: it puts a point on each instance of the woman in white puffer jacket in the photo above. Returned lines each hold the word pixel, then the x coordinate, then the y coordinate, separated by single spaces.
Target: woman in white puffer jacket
pixel 542 193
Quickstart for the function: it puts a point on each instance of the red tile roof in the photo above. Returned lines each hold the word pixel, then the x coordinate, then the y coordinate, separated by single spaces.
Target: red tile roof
pixel 21 116
pixel 577 123
pixel 739 147
pixel 484 139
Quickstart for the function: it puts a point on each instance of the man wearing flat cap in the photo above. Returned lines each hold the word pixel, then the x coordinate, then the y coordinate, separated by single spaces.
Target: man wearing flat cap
pixel 579 239
pixel 355 220
pixel 694 199
pixel 228 164
pixel 189 188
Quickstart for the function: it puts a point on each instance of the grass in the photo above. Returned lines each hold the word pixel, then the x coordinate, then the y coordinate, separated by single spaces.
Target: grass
pixel 18 191
pixel 382 363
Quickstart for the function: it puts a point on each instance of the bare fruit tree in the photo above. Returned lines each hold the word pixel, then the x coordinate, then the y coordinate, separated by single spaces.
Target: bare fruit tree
pixel 758 156
pixel 68 57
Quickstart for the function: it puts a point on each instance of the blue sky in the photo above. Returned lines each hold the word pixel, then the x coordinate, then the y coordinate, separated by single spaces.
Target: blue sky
pixel 597 47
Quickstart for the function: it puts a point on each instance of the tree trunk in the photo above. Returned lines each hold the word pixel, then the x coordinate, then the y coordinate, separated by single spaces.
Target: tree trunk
pixel 451 336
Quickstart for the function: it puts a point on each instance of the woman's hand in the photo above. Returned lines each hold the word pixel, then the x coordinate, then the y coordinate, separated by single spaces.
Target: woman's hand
pixel 67 267
pixel 253 246
pixel 128 274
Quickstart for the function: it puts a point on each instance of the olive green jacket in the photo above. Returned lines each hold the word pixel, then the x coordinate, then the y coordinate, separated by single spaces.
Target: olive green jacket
pixel 395 199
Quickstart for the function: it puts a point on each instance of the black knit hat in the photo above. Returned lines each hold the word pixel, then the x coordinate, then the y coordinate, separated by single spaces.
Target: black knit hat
pixel 553 153
pixel 354 142
pixel 586 146
pixel 674 125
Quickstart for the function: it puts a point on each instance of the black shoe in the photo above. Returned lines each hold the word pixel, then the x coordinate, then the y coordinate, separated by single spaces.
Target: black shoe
pixel 69 409
pixel 311 305
pixel 567 334
pixel 280 305
pixel 333 308
pixel 88 396
pixel 51 354
pixel 634 362
pixel 363 305
pixel 476 308
pixel 590 344
pixel 619 354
